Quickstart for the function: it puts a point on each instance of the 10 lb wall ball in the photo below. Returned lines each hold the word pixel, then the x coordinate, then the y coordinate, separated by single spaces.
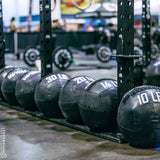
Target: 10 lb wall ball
pixel 3 73
pixel 139 116
pixel 25 88
pixel 47 94
pixel 69 97
pixel 98 105
pixel 9 84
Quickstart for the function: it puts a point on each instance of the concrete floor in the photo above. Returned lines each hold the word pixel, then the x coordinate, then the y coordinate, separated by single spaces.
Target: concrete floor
pixel 31 138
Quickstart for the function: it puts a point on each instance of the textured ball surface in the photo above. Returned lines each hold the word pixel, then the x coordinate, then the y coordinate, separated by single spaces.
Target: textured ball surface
pixel 152 75
pixel 98 105
pixel 47 94
pixel 69 97
pixel 9 84
pixel 138 75
pixel 139 116
pixel 3 72
pixel 25 88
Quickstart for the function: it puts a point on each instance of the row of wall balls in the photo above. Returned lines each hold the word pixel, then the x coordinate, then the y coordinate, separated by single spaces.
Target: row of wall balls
pixel 83 100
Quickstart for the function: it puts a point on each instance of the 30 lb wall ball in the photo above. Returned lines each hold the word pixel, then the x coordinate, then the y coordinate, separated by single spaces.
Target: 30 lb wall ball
pixel 47 94
pixel 3 73
pixel 25 88
pixel 9 84
pixel 139 116
pixel 98 105
pixel 69 97
pixel 152 75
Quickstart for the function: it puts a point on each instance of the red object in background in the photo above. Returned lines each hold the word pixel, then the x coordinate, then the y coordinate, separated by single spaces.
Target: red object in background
pixel 38 29
pixel 137 22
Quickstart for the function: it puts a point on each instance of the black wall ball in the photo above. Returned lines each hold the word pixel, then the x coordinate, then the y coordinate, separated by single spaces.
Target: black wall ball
pixel 9 84
pixel 152 74
pixel 3 72
pixel 47 94
pixel 139 116
pixel 138 75
pixel 69 97
pixel 98 105
pixel 25 89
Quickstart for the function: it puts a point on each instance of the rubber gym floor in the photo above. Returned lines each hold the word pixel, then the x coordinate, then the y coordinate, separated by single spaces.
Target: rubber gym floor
pixel 31 138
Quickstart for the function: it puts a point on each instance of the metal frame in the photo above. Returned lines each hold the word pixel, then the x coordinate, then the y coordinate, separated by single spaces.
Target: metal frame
pixel 125 46
pixel 46 43
pixel 2 44
pixel 146 32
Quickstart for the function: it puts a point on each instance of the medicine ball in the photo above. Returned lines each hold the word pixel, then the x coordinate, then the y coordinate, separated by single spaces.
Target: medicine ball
pixel 138 75
pixel 3 73
pixel 139 116
pixel 25 88
pixel 98 105
pixel 9 84
pixel 47 94
pixel 152 75
pixel 69 97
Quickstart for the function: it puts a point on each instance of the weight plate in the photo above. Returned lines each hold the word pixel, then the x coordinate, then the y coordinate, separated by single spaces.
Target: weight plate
pixel 103 54
pixel 138 51
pixel 155 51
pixel 30 55
pixel 62 58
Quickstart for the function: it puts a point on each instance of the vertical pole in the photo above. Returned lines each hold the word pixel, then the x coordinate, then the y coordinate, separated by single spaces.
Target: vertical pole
pixel 29 18
pixel 2 44
pixel 125 46
pixel 46 39
pixel 146 32
pixel 16 44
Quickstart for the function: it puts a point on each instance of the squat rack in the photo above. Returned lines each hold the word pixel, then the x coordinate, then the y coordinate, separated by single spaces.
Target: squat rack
pixel 146 32
pixel 125 46
pixel 47 42
pixel 125 51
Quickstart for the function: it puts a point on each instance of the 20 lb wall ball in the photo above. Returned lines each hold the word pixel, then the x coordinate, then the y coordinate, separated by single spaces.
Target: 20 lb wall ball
pixel 98 105
pixel 25 88
pixel 9 84
pixel 139 116
pixel 152 75
pixel 47 94
pixel 69 97
pixel 3 73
